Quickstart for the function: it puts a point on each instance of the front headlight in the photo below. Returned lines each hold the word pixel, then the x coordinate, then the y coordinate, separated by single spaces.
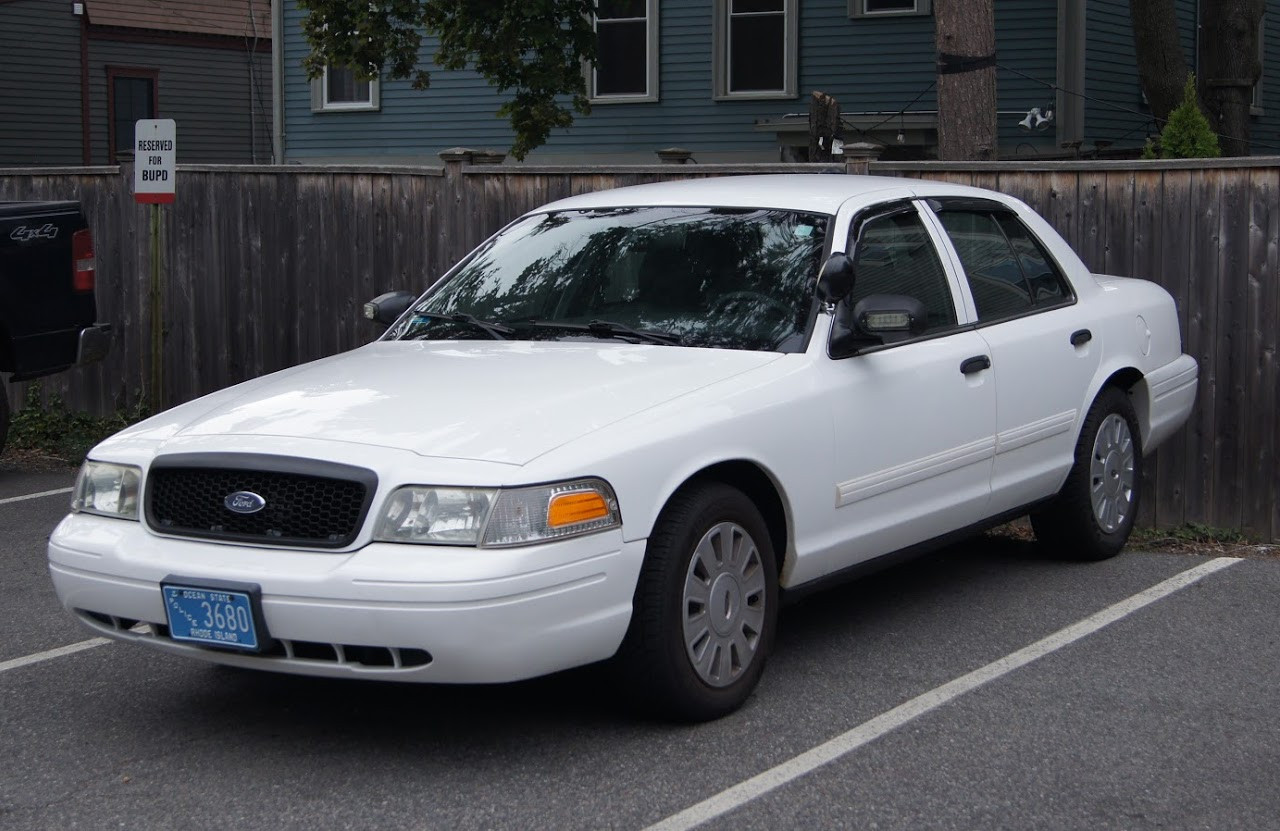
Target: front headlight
pixel 491 517
pixel 107 490
pixel 440 516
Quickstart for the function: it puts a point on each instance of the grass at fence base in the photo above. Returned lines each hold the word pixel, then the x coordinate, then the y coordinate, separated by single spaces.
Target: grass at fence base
pixel 1191 538
pixel 47 429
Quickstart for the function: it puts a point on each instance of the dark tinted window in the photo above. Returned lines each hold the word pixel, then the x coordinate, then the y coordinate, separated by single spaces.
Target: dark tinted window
pixel 994 273
pixel 896 256
pixel 757 45
pixel 622 30
pixel 131 99
pixel 1047 284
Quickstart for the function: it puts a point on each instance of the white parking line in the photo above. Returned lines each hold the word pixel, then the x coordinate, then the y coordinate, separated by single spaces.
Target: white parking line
pixel 9 499
pixel 775 777
pixel 50 654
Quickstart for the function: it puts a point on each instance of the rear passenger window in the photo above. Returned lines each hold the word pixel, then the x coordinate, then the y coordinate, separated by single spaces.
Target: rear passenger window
pixel 1009 272
pixel 896 256
pixel 1047 284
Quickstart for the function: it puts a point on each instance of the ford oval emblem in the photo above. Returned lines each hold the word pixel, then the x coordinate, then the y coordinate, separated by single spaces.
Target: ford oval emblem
pixel 244 502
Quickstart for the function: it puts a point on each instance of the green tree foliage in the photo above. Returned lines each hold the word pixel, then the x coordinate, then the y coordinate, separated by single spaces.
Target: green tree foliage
pixel 532 49
pixel 1187 134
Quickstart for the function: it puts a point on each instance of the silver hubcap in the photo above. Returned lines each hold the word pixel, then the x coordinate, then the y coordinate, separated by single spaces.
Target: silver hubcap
pixel 723 603
pixel 1111 474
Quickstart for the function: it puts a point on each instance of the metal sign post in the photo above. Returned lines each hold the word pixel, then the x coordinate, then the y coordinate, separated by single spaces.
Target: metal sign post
pixel 154 180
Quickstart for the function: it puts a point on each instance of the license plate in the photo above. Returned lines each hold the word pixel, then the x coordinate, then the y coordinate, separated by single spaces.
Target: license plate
pixel 211 616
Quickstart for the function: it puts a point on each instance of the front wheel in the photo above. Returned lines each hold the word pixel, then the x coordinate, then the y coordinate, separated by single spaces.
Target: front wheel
pixel 705 606
pixel 1093 514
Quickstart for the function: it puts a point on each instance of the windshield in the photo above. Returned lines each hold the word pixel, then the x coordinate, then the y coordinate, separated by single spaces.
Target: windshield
pixel 715 277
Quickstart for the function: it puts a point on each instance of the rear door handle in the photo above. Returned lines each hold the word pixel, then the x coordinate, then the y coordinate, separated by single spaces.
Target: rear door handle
pixel 1080 337
pixel 975 364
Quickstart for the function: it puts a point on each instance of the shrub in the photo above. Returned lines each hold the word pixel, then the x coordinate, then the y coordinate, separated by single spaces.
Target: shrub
pixel 1187 134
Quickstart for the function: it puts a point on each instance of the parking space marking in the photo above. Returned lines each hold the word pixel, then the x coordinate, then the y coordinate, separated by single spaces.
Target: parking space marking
pixel 50 654
pixel 814 758
pixel 9 499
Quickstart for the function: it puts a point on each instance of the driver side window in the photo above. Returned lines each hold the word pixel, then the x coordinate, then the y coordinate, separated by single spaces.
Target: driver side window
pixel 895 255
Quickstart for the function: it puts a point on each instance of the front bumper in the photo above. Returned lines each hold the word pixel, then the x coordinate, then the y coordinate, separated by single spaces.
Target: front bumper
pixel 400 612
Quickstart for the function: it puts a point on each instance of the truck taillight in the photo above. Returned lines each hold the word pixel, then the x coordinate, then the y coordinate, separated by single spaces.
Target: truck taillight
pixel 83 264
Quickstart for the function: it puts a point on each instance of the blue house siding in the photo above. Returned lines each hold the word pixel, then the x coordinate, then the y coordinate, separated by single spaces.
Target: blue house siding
pixel 40 97
pixel 1266 126
pixel 221 119
pixel 1111 72
pixel 1112 75
pixel 868 64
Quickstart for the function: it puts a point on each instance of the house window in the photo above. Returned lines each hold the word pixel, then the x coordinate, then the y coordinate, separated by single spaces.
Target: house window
pixel 338 89
pixel 886 8
pixel 131 95
pixel 626 67
pixel 755 48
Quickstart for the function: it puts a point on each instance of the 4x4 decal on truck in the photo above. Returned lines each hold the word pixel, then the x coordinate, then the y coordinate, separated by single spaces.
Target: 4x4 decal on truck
pixel 24 234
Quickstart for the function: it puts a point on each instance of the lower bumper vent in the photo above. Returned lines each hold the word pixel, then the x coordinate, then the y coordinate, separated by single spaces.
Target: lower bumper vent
pixel 341 654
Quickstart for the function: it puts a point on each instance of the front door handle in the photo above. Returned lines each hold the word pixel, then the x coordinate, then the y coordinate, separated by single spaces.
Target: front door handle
pixel 975 364
pixel 1080 337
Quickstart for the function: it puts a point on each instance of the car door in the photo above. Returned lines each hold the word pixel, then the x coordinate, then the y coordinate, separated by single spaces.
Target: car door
pixel 914 420
pixel 1041 346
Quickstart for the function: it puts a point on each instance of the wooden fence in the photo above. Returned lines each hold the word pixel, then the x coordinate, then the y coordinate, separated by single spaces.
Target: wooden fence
pixel 267 267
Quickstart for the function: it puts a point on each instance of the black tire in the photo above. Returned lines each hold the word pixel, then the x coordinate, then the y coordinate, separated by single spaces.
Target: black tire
pixel 1077 526
pixel 655 663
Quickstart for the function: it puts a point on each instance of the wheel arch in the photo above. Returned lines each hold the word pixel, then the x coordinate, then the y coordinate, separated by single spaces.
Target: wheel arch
pixel 1129 379
pixel 764 491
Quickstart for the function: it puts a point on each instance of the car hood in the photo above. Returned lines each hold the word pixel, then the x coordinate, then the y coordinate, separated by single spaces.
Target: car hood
pixel 506 402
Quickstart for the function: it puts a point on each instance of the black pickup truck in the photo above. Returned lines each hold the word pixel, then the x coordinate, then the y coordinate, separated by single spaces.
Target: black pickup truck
pixel 48 314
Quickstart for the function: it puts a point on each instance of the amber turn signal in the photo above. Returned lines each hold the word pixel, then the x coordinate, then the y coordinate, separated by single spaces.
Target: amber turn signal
pixel 574 507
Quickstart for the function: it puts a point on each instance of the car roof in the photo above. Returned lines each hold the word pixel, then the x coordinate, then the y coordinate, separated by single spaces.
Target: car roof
pixel 820 193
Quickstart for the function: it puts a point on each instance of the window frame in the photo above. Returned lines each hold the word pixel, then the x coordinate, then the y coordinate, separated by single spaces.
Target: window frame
pixel 858 8
pixel 320 102
pixel 720 55
pixel 113 72
pixel 652 57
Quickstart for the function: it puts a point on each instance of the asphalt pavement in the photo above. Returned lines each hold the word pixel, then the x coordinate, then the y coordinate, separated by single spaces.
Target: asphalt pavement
pixel 1163 717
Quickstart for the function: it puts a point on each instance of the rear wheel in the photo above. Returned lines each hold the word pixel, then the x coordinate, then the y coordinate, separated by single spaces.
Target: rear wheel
pixel 1093 514
pixel 705 606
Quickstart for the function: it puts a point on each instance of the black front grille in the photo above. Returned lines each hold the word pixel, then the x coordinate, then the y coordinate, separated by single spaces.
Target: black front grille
pixel 307 503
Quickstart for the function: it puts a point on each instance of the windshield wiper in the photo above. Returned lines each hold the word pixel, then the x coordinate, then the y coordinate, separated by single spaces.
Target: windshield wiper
pixel 495 330
pixel 609 329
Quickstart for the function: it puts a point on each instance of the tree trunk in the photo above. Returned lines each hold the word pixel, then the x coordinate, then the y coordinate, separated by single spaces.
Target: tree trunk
pixel 1229 68
pixel 966 42
pixel 1162 66
pixel 824 125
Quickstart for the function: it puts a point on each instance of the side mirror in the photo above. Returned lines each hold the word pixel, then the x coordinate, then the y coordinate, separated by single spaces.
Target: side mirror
pixel 387 308
pixel 890 317
pixel 836 278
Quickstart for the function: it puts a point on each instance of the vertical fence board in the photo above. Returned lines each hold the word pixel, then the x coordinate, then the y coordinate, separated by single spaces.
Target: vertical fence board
pixel 1230 333
pixel 1262 476
pixel 1201 316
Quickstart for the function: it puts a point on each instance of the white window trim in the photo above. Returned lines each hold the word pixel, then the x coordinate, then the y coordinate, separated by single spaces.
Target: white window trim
pixel 320 102
pixel 652 56
pixel 720 56
pixel 858 8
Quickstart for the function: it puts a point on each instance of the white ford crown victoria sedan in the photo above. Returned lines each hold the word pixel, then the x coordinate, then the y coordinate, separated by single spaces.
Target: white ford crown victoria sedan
pixel 621 426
